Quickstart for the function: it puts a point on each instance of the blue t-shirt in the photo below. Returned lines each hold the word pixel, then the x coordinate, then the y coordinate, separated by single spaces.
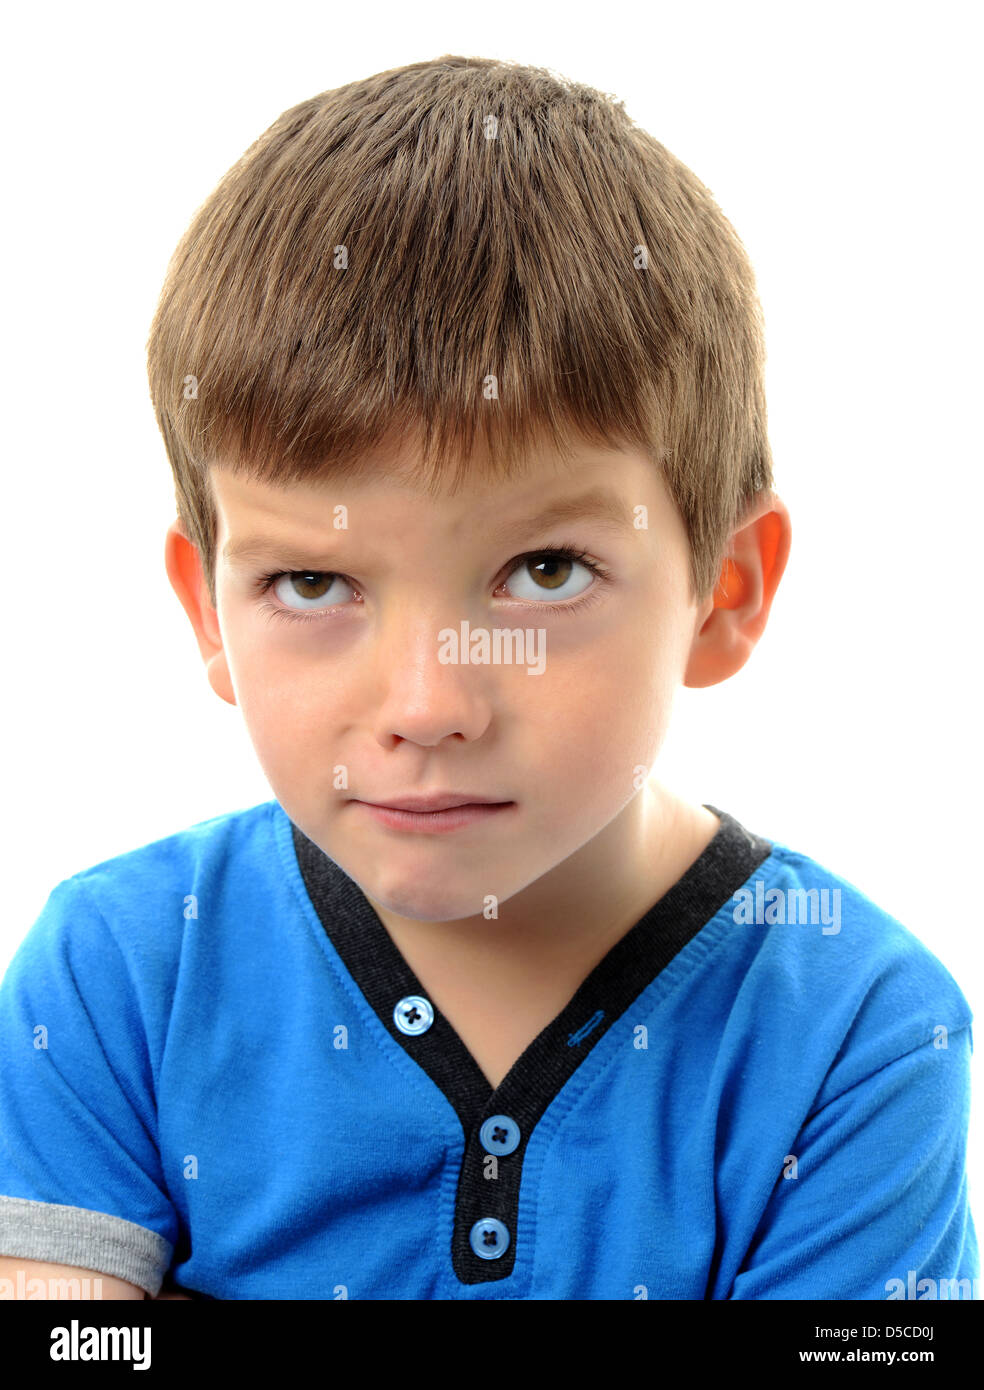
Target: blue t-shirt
pixel 217 1066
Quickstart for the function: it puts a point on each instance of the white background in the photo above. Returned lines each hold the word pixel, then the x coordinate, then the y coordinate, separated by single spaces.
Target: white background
pixel 842 143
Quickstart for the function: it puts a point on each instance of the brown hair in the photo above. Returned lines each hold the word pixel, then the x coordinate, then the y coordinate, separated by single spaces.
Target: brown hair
pixel 384 248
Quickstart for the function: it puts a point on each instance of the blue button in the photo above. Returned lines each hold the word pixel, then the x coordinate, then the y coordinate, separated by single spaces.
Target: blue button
pixel 413 1014
pixel 499 1135
pixel 489 1238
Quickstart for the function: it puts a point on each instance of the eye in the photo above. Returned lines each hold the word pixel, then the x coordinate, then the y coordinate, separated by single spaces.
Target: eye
pixel 310 589
pixel 552 574
pixel 307 595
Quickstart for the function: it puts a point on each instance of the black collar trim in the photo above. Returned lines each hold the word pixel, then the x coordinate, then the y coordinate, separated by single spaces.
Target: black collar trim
pixel 533 1082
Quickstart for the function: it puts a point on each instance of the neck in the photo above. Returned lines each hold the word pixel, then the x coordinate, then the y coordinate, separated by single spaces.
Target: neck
pixel 582 906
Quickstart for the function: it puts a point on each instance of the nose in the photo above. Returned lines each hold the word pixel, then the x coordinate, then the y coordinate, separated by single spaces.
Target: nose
pixel 420 697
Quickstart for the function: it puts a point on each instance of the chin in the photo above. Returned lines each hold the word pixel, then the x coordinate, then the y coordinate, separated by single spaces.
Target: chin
pixel 418 905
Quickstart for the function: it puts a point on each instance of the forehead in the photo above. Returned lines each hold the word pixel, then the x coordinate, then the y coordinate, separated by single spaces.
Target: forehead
pixel 603 484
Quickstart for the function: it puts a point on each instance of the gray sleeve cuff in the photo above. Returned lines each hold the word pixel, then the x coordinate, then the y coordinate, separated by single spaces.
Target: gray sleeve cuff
pixel 93 1240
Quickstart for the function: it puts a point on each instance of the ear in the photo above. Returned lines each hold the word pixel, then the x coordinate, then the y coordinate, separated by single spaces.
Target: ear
pixel 184 570
pixel 734 618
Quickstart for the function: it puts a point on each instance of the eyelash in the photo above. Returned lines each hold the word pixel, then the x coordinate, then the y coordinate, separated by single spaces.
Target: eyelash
pixel 562 552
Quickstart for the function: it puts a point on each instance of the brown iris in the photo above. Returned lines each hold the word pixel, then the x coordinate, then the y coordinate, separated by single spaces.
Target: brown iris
pixel 312 584
pixel 558 570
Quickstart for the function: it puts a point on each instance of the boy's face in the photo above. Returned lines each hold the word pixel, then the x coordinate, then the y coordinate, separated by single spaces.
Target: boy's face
pixel 337 667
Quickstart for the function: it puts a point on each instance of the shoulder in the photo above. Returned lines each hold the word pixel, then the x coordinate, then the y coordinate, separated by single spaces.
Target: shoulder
pixel 833 974
pixel 123 917
pixel 166 871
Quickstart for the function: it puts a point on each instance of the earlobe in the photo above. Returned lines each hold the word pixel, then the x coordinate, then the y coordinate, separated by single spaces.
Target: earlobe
pixel 750 575
pixel 184 570
pixel 219 679
pixel 721 647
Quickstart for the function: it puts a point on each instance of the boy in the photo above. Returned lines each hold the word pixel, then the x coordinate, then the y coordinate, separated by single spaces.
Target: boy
pixel 460 377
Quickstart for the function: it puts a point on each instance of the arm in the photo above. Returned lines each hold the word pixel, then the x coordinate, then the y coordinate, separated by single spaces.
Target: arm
pixel 879 1202
pixel 66 1275
pixel 65 1281
pixel 74 1082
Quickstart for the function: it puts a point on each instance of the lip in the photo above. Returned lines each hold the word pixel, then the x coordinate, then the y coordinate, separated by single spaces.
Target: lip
pixel 436 822
pixel 437 801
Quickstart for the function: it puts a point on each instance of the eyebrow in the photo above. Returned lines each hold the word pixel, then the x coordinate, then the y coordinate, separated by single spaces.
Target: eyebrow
pixel 600 505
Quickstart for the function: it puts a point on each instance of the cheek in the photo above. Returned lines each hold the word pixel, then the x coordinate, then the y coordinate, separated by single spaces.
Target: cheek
pixel 598 723
pixel 283 699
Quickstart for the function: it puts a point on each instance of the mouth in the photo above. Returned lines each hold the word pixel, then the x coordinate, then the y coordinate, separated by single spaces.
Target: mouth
pixel 455 814
pixel 438 801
